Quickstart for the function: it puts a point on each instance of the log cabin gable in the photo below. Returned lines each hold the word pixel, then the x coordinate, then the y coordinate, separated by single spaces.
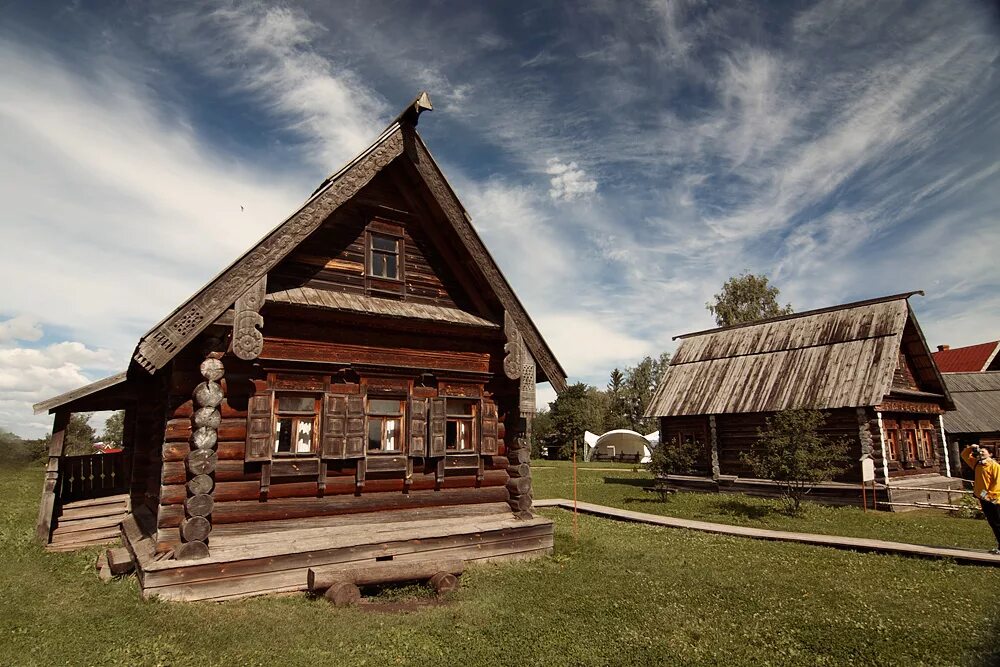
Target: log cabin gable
pixel 379 246
pixel 915 370
pixel 398 156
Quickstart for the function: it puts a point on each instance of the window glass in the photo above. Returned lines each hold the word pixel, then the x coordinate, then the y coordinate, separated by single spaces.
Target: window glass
pixel 295 425
pixel 385 425
pixel 384 243
pixel 383 406
pixel 459 434
pixel 296 404
pixel 458 407
pixel 384 257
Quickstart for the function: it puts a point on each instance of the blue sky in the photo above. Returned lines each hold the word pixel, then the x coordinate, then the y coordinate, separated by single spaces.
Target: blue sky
pixel 621 160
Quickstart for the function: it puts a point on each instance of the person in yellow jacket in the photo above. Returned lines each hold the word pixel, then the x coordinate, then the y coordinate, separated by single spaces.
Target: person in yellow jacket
pixel 986 486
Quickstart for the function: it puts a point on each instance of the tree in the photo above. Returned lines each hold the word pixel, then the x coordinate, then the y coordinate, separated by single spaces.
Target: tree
pixel 617 414
pixel 791 451
pixel 80 435
pixel 114 429
pixel 746 298
pixel 541 431
pixel 639 385
pixel 577 409
pixel 672 458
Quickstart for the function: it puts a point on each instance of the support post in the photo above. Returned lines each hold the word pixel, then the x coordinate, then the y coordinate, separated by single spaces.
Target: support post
pixel 944 447
pixel 50 487
pixel 201 461
pixel 714 441
pixel 520 365
pixel 885 454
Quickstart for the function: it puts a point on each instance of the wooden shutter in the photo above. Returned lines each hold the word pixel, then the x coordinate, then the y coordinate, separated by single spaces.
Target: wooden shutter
pixel 488 428
pixel 355 427
pixel 418 426
pixel 334 436
pixel 439 425
pixel 260 426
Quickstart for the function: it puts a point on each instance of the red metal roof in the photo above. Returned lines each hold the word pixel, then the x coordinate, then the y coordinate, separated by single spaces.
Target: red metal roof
pixel 971 359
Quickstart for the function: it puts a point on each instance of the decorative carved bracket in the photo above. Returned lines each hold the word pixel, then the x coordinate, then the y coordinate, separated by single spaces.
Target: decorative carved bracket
pixel 248 342
pixel 527 390
pixel 513 347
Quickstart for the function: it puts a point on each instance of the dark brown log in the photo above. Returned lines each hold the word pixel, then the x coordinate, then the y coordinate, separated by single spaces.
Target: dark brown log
pixel 320 578
pixel 343 594
pixel 228 450
pixel 520 455
pixel 522 470
pixel 299 508
pixel 200 484
pixel 192 551
pixel 444 582
pixel 519 485
pixel 195 529
pixel 119 561
pixel 250 490
pixel 200 505
pixel 186 410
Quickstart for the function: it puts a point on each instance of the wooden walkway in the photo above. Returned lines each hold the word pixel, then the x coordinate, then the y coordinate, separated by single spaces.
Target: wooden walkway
pixel 837 542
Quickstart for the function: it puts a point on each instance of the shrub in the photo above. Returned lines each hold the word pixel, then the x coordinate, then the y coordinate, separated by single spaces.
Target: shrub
pixel 790 451
pixel 673 458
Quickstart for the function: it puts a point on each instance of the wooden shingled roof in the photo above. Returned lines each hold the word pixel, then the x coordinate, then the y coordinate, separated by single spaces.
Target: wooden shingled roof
pixel 843 356
pixel 399 142
pixel 977 402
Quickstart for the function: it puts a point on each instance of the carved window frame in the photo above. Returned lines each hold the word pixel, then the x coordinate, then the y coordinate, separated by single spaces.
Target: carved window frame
pixel 296 417
pixel 470 420
pixel 376 285
pixel 401 434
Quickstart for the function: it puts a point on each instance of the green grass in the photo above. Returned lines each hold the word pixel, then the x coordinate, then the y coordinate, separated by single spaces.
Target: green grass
pixel 624 489
pixel 623 594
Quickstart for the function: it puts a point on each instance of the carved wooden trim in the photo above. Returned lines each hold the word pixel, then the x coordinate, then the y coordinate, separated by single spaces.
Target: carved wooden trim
pixel 160 345
pixel 248 342
pixel 511 362
pixel 526 391
pixel 446 199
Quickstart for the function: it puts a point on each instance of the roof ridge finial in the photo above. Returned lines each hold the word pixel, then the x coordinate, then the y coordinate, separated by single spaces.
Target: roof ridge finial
pixel 411 114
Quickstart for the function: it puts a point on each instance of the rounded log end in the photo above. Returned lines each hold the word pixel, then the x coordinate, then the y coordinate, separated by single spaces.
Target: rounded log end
pixel 343 593
pixel 444 582
pixel 195 529
pixel 212 369
pixel 192 551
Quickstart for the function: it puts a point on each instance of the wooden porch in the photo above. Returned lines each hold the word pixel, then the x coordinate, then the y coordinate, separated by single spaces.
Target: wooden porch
pixel 275 556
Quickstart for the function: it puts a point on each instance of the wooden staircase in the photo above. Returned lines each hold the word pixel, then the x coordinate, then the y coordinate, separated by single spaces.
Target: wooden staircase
pixel 87 523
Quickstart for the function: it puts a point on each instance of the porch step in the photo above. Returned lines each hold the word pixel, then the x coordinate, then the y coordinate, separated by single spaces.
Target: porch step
pixel 87 523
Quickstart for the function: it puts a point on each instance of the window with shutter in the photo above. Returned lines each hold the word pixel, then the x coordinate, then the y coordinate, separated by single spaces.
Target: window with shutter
pixel 259 432
pixel 418 426
pixel 438 427
pixel 334 427
pixel 488 445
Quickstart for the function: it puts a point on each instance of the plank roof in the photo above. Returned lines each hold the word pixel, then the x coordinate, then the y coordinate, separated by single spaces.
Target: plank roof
pixel 80 392
pixel 977 402
pixel 399 142
pixel 357 303
pixel 969 359
pixel 844 356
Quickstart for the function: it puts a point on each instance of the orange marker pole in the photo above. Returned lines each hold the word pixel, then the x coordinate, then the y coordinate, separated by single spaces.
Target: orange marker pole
pixel 576 530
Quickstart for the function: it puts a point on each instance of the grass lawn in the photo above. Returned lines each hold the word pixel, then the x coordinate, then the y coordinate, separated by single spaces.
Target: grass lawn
pixel 624 489
pixel 624 594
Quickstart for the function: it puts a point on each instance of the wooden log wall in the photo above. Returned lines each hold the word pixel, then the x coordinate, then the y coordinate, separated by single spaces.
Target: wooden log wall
pixel 237 483
pixel 148 437
pixel 737 433
pixel 334 256
pixel 676 428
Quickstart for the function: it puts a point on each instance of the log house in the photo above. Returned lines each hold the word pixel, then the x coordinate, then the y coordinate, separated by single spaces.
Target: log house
pixel 866 365
pixel 365 364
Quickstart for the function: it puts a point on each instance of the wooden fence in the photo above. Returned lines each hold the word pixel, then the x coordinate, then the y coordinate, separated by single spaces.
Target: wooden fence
pixel 93 476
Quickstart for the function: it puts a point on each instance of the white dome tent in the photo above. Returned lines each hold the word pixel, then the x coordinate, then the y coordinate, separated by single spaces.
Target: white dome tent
pixel 621 444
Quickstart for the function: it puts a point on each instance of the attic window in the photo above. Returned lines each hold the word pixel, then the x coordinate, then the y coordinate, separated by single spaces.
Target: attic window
pixel 383 252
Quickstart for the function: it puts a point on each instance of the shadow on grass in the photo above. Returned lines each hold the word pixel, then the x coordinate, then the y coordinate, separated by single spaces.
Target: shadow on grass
pixel 629 481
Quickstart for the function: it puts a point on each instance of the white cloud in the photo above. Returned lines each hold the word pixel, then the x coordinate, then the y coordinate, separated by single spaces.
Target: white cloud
pixel 273 54
pixel 568 180
pixel 21 327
